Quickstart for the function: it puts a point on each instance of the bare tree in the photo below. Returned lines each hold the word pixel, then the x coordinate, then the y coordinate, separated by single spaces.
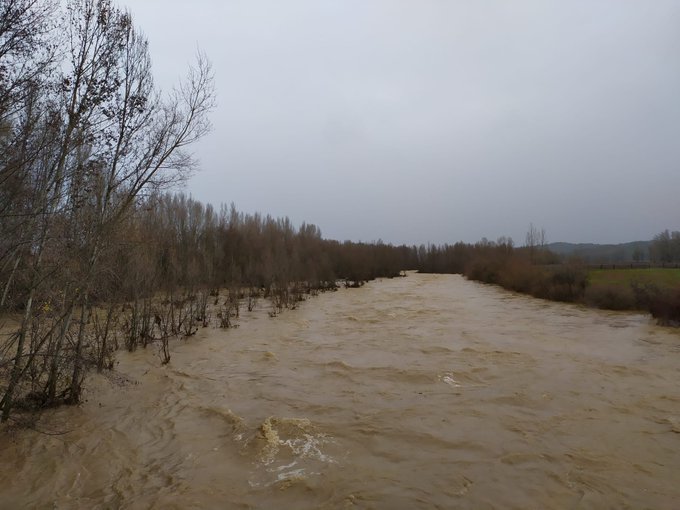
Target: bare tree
pixel 113 138
pixel 535 240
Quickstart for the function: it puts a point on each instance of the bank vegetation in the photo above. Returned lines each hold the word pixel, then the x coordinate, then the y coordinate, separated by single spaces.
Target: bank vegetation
pixel 533 269
pixel 97 254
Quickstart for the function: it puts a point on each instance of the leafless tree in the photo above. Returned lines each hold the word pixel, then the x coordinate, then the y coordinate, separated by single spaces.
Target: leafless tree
pixel 535 240
pixel 114 137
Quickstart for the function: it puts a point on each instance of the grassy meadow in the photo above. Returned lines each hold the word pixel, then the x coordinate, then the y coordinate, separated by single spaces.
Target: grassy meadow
pixel 656 290
pixel 661 277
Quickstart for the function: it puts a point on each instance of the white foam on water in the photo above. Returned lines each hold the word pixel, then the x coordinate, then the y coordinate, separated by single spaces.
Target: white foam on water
pixel 291 475
pixel 448 379
pixel 292 451
pixel 309 447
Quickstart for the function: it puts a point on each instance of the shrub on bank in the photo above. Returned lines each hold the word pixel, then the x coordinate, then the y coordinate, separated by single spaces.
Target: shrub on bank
pixel 610 297
pixel 486 270
pixel 666 308
pixel 567 282
pixel 536 273
pixel 662 302
pixel 519 275
pixel 563 282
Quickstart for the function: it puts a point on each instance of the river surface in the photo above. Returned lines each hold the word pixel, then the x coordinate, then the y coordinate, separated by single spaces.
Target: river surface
pixel 421 392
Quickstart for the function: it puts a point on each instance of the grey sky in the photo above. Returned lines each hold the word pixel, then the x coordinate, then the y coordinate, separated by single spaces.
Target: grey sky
pixel 436 120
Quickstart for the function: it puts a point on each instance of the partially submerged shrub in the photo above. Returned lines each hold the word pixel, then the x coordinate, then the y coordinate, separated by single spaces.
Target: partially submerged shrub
pixel 665 307
pixel 610 297
pixel 662 302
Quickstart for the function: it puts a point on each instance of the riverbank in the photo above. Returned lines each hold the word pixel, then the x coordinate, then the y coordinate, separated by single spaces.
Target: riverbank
pixel 418 392
pixel 652 290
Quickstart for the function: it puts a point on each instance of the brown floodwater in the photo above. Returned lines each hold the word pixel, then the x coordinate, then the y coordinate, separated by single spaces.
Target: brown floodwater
pixel 421 392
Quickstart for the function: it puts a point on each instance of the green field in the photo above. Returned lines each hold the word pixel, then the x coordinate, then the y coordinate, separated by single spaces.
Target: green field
pixel 624 277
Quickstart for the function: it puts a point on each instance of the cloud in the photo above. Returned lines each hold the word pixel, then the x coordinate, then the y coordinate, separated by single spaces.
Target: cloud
pixel 437 120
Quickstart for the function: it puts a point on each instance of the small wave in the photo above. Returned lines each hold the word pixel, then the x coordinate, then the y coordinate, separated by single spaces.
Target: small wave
pixel 385 314
pixel 449 379
pixel 409 376
pixel 272 441
pixel 339 365
pixel 225 414
pixel 291 475
pixel 514 459
pixel 182 373
pixel 436 349
pixel 269 356
pixel 674 422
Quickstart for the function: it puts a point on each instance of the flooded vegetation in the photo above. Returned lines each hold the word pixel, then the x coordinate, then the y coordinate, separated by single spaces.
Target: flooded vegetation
pixel 422 392
pixel 159 352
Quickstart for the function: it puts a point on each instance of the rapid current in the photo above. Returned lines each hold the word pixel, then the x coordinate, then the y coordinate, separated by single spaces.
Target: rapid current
pixel 428 391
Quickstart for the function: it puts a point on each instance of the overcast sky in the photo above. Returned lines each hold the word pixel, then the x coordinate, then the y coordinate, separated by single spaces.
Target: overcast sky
pixel 436 120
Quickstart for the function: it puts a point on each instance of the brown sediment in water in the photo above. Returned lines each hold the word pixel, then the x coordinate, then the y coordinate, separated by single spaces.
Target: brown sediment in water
pixel 420 392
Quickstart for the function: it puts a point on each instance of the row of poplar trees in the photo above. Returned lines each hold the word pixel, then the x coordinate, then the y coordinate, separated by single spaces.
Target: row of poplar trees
pixel 84 137
pixel 88 145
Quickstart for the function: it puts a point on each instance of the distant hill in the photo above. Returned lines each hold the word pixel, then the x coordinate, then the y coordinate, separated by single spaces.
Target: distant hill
pixel 604 253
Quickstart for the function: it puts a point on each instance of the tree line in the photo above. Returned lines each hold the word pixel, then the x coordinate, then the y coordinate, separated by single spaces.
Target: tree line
pixel 171 241
pixel 93 253
pixel 665 248
pixel 530 269
pixel 96 254
pixel 533 269
pixel 84 136
pixel 171 266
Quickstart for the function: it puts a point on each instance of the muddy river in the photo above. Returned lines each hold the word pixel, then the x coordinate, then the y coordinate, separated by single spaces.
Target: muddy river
pixel 421 392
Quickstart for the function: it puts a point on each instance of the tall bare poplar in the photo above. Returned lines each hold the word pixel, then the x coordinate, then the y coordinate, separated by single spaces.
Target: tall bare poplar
pixel 114 136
